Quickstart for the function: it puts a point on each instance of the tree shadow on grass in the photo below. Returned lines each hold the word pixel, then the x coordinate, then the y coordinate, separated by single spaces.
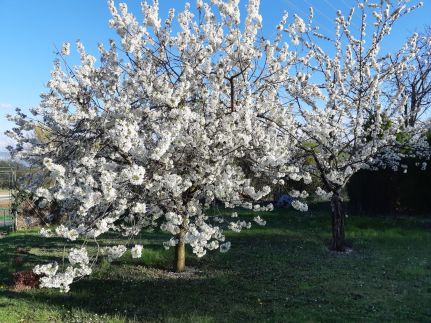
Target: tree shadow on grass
pixel 23 252
pixel 226 287
pixel 213 297
pixel 15 256
pixel 250 283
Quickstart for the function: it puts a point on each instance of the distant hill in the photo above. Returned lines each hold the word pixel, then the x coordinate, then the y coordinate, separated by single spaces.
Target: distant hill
pixel 4 155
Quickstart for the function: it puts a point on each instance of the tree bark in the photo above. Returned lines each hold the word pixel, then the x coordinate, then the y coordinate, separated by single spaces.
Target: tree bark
pixel 338 242
pixel 180 254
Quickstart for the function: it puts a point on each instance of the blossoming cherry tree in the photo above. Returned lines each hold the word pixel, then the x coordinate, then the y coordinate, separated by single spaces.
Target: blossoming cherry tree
pixel 344 118
pixel 168 123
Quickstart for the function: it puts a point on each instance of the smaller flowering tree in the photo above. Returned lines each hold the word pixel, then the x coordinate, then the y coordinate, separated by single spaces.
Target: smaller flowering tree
pixel 166 125
pixel 415 82
pixel 345 120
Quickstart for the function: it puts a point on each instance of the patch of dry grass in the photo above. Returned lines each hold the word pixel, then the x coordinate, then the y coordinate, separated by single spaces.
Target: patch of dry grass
pixel 4 203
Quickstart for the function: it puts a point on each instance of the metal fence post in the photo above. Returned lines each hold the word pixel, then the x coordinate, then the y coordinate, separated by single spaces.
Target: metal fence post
pixel 15 219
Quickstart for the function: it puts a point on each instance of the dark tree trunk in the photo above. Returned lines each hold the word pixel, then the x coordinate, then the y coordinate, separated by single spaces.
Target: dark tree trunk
pixel 180 254
pixel 338 242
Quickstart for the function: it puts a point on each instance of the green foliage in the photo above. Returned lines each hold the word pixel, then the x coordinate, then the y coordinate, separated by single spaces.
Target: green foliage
pixel 370 123
pixel 42 134
pixel 278 273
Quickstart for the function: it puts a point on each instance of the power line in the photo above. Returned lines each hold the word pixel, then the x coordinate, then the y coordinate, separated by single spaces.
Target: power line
pixel 333 7
pixel 306 14
pixel 331 20
pixel 346 4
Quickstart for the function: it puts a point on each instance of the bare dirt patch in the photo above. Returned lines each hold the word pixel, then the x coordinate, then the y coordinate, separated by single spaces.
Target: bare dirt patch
pixel 189 273
pixel 24 280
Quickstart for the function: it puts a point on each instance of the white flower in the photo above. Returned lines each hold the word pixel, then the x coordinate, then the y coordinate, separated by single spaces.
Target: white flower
pixel 135 174
pixel 78 256
pixel 44 193
pixel 136 251
pixel 114 252
pixel 64 232
pixel 65 49
pixel 299 206
pixel 139 208
pixel 299 24
pixel 48 269
pixel 59 280
pixel 56 169
pixel 239 225
pixel 320 192
pixel 259 220
pixel 46 233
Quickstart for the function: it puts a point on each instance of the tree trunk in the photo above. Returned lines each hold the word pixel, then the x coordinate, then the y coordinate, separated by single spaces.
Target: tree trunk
pixel 180 254
pixel 337 243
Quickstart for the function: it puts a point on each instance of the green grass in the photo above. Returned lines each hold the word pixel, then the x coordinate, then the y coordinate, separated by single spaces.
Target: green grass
pixel 279 273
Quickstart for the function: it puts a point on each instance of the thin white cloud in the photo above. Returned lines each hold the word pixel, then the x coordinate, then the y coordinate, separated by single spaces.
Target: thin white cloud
pixel 5 105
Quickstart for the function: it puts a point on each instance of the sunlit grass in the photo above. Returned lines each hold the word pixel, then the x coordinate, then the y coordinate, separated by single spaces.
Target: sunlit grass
pixel 282 272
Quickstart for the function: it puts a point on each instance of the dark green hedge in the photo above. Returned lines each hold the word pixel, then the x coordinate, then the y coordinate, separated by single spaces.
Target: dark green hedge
pixel 386 191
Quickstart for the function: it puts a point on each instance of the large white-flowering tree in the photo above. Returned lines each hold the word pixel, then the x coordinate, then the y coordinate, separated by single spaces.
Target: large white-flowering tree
pixel 345 121
pixel 168 121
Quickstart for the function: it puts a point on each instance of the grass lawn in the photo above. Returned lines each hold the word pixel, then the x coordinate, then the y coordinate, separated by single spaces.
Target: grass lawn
pixel 278 273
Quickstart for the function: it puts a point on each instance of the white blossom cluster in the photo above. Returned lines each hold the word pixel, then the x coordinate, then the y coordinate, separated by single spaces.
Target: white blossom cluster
pixel 52 278
pixel 137 251
pixel 300 206
pixel 115 252
pixel 323 194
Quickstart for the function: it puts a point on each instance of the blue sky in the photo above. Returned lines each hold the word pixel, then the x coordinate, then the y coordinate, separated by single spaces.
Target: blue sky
pixel 30 30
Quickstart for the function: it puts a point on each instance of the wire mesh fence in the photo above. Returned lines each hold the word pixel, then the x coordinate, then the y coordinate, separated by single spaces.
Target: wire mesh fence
pixel 7 218
pixel 8 176
pixel 13 176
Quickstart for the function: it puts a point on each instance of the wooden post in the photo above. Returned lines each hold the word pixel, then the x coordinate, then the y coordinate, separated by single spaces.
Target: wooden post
pixel 15 218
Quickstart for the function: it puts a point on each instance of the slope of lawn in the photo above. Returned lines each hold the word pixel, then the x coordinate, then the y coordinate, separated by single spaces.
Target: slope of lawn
pixel 279 273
